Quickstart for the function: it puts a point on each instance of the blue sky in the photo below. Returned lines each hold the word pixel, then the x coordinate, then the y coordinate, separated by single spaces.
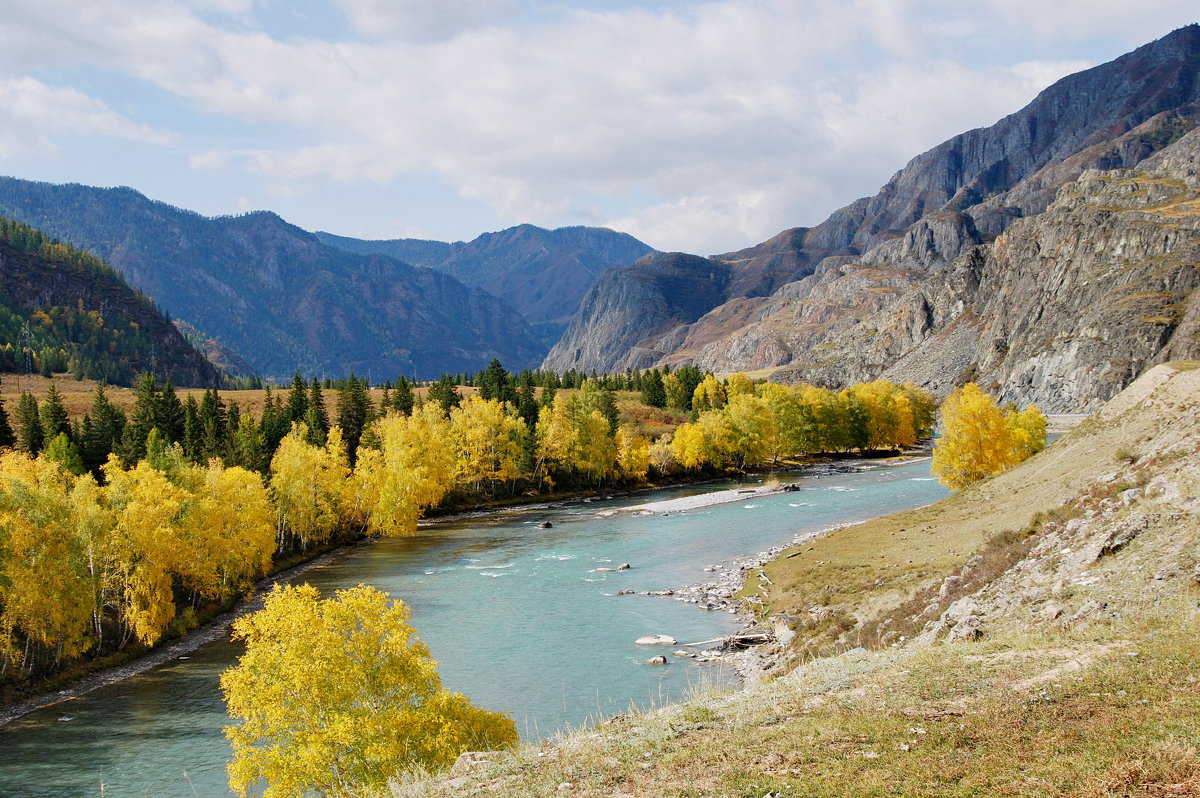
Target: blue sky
pixel 697 126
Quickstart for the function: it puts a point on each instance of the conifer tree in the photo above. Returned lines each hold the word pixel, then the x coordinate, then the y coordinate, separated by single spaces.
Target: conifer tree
pixel 102 430
pixel 402 399
pixel 169 417
pixel 354 413
pixel 297 401
pixel 191 428
pixel 53 415
pixel 653 393
pixel 7 436
pixel 213 430
pixel 445 393
pixel 29 424
pixel 317 417
pixel 144 419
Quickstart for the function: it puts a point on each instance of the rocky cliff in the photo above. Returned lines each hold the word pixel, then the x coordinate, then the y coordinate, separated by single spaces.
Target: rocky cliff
pixel 1063 309
pixel 802 298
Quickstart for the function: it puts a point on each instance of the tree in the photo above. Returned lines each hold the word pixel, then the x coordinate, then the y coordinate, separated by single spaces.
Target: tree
pixel 1027 430
pixel 316 416
pixel 29 424
pixel 676 392
pixel 709 395
pixel 307 482
pixel 653 392
pixel 445 393
pixel 374 707
pixel 354 414
pixel 975 440
pixel 53 415
pixel 297 401
pixel 633 453
pixel 403 399
pixel 488 441
pixel 496 383
pixel 102 434
pixel 170 417
pixel 7 436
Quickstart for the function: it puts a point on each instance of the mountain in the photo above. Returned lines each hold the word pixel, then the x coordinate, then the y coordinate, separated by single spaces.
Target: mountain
pixel 76 313
pixel 542 273
pixel 790 300
pixel 276 295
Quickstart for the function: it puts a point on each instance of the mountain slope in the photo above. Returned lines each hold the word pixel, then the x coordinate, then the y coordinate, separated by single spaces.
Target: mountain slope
pixel 277 296
pixel 944 202
pixel 81 316
pixel 542 273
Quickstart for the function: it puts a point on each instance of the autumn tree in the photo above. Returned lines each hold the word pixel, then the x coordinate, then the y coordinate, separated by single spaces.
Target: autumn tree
pixel 409 472
pixel 633 453
pixel 372 708
pixel 975 441
pixel 488 439
pixel 307 483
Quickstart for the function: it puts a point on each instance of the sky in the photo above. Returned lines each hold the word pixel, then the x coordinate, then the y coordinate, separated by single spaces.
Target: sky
pixel 703 127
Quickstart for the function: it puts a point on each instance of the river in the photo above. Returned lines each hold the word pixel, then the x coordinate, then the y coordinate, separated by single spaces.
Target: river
pixel 516 616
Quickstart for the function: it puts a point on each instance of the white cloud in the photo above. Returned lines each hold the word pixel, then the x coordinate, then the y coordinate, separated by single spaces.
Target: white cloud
pixel 423 20
pixel 37 114
pixel 718 124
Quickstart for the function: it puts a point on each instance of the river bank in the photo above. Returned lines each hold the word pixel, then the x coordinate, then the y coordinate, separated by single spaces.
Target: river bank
pixel 708 596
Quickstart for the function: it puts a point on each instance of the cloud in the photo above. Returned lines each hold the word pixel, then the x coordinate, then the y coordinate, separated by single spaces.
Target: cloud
pixel 708 127
pixel 37 114
pixel 423 20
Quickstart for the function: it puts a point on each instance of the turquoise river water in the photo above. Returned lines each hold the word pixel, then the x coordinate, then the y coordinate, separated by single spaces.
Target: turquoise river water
pixel 514 614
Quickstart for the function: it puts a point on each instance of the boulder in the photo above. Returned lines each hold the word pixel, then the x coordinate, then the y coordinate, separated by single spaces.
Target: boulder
pixel 659 660
pixel 656 640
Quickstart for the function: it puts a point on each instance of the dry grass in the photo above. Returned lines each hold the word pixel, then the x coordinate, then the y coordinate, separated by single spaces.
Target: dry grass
pixel 1105 708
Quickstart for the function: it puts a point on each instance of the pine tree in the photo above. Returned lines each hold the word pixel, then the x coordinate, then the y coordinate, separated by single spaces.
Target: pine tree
pixel 402 399
pixel 169 417
pixel 354 413
pixel 144 419
pixel 317 417
pixel 102 431
pixel 53 415
pixel 496 383
pixel 297 401
pixel 29 424
pixel 7 436
pixel 213 429
pixel 653 393
pixel 445 393
pixel 191 428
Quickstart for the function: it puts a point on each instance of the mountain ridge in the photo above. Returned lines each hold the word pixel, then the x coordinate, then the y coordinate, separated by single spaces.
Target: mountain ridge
pixel 956 196
pixel 276 295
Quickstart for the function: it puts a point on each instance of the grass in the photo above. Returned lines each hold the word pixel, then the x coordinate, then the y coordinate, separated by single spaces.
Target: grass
pixel 1104 707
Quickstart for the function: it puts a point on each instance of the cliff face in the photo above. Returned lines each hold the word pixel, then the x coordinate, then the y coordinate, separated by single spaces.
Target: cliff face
pixel 820 299
pixel 630 313
pixel 1063 309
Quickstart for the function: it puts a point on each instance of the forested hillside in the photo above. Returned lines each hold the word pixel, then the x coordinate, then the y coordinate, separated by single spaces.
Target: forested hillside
pixel 542 273
pixel 63 310
pixel 276 295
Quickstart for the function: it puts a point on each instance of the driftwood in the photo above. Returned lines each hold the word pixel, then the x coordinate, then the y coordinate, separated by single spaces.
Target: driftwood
pixel 738 641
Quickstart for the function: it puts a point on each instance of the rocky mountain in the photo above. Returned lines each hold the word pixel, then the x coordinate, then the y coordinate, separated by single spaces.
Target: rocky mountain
pixel 792 300
pixel 276 295
pixel 73 312
pixel 542 273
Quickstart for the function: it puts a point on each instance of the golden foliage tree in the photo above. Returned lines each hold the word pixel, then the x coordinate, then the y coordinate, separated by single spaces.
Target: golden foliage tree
pixel 410 471
pixel 488 439
pixel 336 696
pixel 633 453
pixel 307 482
pixel 977 441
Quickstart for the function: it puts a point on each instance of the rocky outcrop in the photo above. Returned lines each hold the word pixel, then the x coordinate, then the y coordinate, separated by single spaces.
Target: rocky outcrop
pixel 896 283
pixel 629 317
pixel 1064 309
